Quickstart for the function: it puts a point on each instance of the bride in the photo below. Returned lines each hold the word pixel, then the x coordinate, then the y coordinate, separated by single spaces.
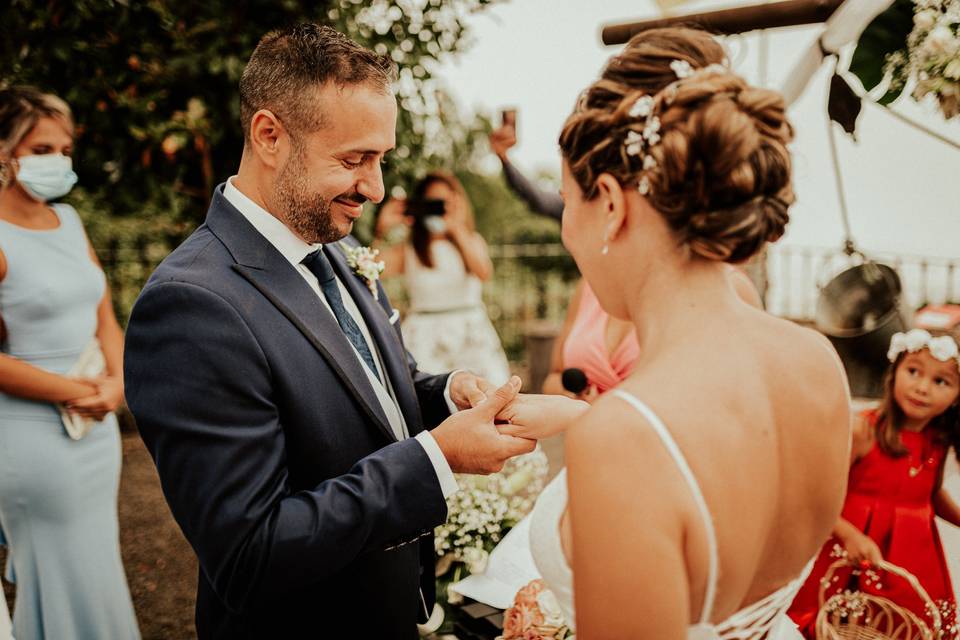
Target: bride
pixel 700 488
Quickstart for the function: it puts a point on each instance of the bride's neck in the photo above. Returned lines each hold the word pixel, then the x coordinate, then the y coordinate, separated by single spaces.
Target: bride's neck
pixel 676 300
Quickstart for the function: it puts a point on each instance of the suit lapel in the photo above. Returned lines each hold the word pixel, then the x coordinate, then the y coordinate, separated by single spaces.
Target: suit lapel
pixel 278 281
pixel 392 353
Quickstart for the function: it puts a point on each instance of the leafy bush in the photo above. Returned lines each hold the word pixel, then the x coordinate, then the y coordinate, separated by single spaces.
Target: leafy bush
pixel 154 85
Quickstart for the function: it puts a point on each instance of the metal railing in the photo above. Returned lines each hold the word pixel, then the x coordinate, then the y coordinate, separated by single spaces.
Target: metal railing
pixel 796 275
pixel 532 283
pixel 529 292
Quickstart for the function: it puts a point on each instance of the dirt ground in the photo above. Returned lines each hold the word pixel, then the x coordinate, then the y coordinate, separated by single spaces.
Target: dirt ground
pixel 161 567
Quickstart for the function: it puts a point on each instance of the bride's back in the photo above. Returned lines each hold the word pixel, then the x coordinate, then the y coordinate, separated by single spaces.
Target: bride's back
pixel 760 412
pixel 674 165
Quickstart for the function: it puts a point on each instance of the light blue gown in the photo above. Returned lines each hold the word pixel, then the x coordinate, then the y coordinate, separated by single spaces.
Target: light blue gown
pixel 58 497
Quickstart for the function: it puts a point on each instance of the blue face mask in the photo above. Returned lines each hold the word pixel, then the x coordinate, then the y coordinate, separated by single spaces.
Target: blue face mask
pixel 46 177
pixel 435 224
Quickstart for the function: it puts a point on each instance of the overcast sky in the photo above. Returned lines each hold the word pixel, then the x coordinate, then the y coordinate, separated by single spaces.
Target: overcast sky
pixel 903 188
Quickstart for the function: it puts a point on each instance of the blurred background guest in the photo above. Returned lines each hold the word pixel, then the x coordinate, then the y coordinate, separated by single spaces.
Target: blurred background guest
pixel 546 203
pixel 58 496
pixel 4 612
pixel 444 262
pixel 593 352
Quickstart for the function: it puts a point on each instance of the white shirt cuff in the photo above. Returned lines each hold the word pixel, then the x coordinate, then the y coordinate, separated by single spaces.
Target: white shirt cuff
pixel 446 393
pixel 448 483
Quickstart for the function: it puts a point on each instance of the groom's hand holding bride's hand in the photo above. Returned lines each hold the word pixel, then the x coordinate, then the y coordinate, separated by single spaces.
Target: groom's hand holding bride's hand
pixel 469 439
pixel 467 390
pixel 539 416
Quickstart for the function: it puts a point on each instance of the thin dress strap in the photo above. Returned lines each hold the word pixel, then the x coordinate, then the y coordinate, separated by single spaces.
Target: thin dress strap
pixel 681 461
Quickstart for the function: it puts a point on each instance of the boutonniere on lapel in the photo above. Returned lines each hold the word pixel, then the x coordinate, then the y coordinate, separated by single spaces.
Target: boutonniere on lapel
pixel 363 261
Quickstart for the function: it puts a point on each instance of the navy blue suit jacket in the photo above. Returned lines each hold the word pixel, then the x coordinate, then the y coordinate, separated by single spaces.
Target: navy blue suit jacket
pixel 308 517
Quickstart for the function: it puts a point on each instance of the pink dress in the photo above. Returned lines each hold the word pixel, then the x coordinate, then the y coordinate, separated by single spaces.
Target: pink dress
pixel 585 347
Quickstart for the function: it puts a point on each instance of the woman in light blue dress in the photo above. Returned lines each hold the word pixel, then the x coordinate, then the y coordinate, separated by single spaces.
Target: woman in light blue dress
pixel 58 496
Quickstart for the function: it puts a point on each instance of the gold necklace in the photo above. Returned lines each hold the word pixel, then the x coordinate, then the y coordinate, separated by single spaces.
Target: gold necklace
pixel 915 471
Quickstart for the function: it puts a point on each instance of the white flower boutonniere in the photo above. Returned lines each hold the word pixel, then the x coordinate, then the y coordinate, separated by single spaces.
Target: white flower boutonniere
pixel 363 261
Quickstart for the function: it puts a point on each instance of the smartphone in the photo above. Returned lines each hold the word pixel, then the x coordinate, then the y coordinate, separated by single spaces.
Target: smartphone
pixel 508 117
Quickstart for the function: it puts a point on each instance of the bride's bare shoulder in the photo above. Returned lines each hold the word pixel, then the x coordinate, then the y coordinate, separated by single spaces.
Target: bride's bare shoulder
pixel 800 353
pixel 614 430
pixel 612 450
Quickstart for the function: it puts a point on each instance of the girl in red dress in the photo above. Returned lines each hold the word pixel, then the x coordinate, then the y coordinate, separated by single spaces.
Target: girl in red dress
pixel 895 483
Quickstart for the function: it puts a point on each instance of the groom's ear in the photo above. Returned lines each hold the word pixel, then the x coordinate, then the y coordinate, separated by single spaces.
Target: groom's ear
pixel 614 203
pixel 268 137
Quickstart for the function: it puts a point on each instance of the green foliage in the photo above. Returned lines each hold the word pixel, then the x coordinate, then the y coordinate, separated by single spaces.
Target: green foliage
pixel 501 217
pixel 504 219
pixel 154 89
pixel 884 37
pixel 131 247
pixel 154 84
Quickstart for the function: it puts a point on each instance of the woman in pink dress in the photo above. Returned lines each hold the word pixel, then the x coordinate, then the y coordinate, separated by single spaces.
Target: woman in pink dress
pixel 603 348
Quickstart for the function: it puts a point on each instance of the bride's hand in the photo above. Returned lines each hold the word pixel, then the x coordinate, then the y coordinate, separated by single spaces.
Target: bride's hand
pixel 538 416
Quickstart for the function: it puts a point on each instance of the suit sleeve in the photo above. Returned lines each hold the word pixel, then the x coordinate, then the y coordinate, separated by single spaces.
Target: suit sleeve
pixel 430 388
pixel 543 202
pixel 199 386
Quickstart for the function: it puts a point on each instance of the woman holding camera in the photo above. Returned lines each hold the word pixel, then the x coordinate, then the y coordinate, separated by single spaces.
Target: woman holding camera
pixel 444 262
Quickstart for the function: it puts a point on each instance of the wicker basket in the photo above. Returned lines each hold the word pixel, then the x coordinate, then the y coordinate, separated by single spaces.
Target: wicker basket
pixel 864 616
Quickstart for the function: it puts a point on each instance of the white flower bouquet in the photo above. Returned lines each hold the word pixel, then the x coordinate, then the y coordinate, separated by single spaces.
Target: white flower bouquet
pixel 485 508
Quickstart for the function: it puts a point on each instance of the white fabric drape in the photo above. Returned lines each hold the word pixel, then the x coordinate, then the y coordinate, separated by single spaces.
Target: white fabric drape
pixel 6 631
pixel 843 27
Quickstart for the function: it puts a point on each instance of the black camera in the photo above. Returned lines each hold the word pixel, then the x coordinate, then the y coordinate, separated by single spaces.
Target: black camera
pixel 425 208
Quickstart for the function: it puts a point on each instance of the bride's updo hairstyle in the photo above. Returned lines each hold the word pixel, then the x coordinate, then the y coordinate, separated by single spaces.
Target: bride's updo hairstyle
pixel 707 150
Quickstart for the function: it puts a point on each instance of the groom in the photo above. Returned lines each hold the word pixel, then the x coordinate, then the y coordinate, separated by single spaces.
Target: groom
pixel 269 381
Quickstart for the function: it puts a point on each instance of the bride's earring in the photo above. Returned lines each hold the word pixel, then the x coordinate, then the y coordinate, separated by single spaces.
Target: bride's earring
pixel 606 235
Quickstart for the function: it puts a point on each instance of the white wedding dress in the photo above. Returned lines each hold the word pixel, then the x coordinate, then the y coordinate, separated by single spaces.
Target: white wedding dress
pixel 765 619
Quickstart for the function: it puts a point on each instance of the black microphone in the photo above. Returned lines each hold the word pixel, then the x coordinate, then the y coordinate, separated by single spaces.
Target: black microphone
pixel 573 380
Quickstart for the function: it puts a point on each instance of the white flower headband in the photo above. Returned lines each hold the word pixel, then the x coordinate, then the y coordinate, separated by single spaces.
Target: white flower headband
pixel 943 348
pixel 641 143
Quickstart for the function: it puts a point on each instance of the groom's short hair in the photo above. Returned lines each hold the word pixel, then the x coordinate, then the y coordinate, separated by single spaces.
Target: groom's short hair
pixel 289 65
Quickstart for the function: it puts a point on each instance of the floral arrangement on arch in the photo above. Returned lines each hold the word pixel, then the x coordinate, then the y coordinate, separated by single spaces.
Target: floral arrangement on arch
pixel 483 511
pixel 913 43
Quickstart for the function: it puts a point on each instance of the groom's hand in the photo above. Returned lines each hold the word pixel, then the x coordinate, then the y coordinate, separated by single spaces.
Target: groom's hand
pixel 470 441
pixel 468 390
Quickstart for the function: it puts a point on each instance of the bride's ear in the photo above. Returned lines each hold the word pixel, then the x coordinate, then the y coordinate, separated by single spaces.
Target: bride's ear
pixel 614 203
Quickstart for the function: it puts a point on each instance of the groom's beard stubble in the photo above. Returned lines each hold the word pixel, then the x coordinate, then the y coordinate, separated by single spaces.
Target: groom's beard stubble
pixel 308 214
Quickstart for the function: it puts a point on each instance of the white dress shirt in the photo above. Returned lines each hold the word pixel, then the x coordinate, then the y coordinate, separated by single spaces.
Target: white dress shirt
pixel 294 249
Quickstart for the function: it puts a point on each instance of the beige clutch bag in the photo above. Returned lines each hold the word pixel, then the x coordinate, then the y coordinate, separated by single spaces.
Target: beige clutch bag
pixel 90 364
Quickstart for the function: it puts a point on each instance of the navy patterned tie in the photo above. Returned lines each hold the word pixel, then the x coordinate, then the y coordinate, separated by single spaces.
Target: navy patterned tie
pixel 319 266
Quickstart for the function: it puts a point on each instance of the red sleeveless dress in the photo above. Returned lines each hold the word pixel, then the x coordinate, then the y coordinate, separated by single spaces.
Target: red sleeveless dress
pixel 890 499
